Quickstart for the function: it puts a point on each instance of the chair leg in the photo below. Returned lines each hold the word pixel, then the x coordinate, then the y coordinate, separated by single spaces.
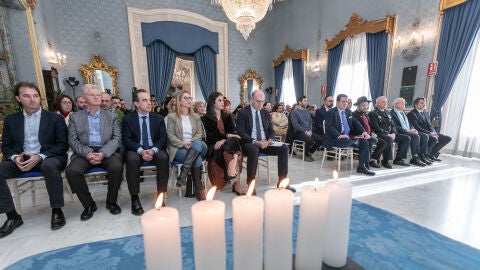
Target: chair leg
pixel 32 191
pixel 324 156
pixel 16 194
pixel 268 169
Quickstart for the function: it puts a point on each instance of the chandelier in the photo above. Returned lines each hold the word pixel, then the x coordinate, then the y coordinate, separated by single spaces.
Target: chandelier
pixel 55 60
pixel 245 13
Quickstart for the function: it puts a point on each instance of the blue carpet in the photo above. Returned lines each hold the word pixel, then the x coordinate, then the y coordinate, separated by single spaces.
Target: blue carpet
pixel 378 240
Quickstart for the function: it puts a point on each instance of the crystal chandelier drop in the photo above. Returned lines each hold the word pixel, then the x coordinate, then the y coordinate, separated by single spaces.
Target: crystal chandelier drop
pixel 245 13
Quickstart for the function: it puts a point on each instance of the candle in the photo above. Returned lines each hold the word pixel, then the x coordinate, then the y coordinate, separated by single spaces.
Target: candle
pixel 310 236
pixel 278 228
pixel 208 220
pixel 161 237
pixel 338 223
pixel 248 231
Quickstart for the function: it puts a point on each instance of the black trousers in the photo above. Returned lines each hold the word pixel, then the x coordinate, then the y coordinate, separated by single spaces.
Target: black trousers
pixel 403 142
pixel 132 165
pixel 251 151
pixel 414 143
pixel 51 169
pixel 436 144
pixel 76 178
pixel 310 141
pixel 382 148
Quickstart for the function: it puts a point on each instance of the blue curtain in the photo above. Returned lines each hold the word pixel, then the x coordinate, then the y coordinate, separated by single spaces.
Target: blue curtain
pixel 279 80
pixel 376 61
pixel 459 27
pixel 298 77
pixel 161 63
pixel 334 59
pixel 206 70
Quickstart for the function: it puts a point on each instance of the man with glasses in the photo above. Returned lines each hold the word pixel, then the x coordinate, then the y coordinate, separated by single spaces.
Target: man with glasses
pixel 255 128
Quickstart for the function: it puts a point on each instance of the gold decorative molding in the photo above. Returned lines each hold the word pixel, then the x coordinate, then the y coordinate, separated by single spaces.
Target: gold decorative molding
pixel 446 4
pixel 250 75
pixel 289 53
pixel 98 63
pixel 357 25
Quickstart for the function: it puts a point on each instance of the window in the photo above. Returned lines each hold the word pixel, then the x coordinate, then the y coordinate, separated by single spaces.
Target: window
pixel 288 87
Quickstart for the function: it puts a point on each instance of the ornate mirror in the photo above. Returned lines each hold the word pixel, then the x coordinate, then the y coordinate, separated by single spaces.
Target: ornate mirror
pixel 249 82
pixel 97 72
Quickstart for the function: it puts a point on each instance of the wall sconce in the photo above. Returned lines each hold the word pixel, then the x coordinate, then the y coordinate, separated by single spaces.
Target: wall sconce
pixel 415 43
pixel 317 65
pixel 56 60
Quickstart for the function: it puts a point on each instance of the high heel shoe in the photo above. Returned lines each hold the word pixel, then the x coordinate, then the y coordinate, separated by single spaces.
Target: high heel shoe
pixel 232 170
pixel 236 192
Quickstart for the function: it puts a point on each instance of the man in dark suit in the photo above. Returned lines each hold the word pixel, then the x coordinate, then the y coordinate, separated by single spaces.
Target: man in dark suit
pixel 33 140
pixel 382 124
pixel 145 138
pixel 417 140
pixel 320 114
pixel 420 120
pixel 94 136
pixel 255 128
pixel 338 123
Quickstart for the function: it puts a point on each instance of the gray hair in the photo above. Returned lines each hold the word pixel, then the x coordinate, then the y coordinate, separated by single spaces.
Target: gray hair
pixel 89 86
pixel 397 100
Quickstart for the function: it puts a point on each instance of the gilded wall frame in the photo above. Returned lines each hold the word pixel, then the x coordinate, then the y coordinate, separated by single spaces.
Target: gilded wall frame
pixel 97 63
pixel 250 75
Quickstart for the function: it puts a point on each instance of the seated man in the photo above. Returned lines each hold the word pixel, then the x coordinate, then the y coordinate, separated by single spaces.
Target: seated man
pixel 255 129
pixel 145 138
pixel 33 140
pixel 94 136
pixel 417 140
pixel 338 123
pixel 302 127
pixel 382 124
pixel 420 120
pixel 382 147
pixel 107 104
pixel 320 114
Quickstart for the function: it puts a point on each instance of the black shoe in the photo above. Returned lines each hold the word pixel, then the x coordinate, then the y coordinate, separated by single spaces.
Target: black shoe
pixel 417 162
pixel 432 157
pixel 137 208
pixel 363 170
pixel 309 159
pixel 292 189
pixel 387 165
pixel 425 160
pixel 88 212
pixel 114 208
pixel 10 225
pixel 373 163
pixel 58 219
pixel 237 192
pixel 401 163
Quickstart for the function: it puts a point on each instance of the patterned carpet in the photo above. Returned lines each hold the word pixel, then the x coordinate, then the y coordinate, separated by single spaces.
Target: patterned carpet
pixel 378 240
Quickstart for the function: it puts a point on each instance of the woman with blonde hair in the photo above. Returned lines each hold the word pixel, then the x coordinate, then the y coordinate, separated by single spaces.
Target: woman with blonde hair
pixel 185 145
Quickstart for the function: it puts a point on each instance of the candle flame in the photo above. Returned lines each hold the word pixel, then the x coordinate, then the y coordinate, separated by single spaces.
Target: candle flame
pixel 317 183
pixel 211 193
pixel 251 187
pixel 284 183
pixel 159 201
pixel 335 175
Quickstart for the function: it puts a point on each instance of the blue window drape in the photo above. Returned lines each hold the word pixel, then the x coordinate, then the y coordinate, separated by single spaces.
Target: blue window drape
pixel 279 80
pixel 298 77
pixel 161 63
pixel 459 26
pixel 377 45
pixel 206 70
pixel 334 59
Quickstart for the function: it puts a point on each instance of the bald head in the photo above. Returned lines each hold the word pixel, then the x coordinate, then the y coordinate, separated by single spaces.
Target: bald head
pixel 258 98
pixel 106 101
pixel 381 102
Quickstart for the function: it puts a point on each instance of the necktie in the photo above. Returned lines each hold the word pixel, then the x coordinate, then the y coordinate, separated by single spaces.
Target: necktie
pixel 346 129
pixel 257 126
pixel 405 120
pixel 366 125
pixel 144 133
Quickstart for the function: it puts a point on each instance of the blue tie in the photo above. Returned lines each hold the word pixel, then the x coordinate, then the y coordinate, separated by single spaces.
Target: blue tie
pixel 144 133
pixel 346 129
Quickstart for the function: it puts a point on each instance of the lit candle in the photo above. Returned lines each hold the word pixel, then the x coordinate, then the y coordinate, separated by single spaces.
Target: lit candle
pixel 311 223
pixel 208 220
pixel 248 231
pixel 337 223
pixel 161 237
pixel 278 227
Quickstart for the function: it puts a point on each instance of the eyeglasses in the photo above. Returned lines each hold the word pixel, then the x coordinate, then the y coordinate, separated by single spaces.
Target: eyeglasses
pixel 187 98
pixel 259 101
pixel 66 102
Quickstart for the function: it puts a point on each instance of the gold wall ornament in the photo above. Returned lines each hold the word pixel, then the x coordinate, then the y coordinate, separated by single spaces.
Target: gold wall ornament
pixel 250 75
pixel 446 4
pixel 289 53
pixel 357 25
pixel 97 63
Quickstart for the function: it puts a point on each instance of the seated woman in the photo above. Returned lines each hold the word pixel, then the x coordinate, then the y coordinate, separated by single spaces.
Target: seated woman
pixel 64 105
pixel 224 153
pixel 199 108
pixel 279 120
pixel 185 145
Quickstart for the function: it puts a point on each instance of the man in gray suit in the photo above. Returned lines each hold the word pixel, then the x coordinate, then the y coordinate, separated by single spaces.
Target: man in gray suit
pixel 94 136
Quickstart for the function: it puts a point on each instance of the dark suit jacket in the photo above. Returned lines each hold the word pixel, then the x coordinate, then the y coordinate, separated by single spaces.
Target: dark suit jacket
pixel 381 122
pixel 245 124
pixel 420 122
pixel 52 135
pixel 211 129
pixel 358 116
pixel 398 124
pixel 131 133
pixel 333 125
pixel 319 118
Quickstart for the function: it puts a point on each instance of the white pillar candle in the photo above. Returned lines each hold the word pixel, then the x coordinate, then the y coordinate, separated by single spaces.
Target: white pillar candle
pixel 310 236
pixel 208 220
pixel 161 237
pixel 278 229
pixel 338 223
pixel 248 231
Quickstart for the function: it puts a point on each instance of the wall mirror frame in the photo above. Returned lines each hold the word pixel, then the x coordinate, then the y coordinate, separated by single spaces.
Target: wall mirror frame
pixel 250 75
pixel 97 63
